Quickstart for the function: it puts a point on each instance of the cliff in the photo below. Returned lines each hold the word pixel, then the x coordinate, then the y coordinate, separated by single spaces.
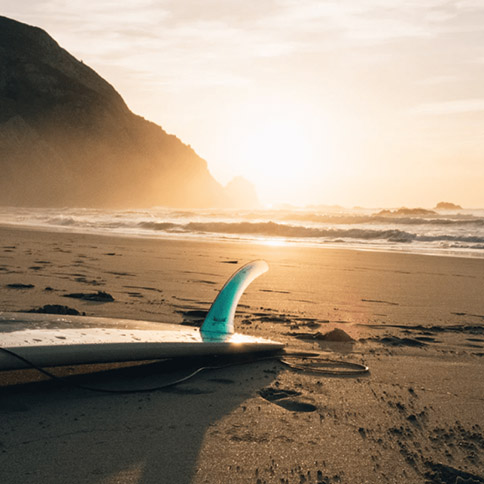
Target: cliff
pixel 67 137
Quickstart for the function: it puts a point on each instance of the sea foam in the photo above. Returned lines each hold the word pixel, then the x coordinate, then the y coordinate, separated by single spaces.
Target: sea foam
pixel 460 233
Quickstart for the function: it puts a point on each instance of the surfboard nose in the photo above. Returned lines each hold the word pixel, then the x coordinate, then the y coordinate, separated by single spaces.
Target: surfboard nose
pixel 219 323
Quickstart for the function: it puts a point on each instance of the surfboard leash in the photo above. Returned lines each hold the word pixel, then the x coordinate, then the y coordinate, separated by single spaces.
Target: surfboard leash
pixel 67 382
pixel 315 363
pixel 305 362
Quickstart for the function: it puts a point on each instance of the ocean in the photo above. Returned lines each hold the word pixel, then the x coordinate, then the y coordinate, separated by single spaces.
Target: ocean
pixel 437 232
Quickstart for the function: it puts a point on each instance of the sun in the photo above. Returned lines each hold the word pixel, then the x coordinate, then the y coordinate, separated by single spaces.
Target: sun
pixel 277 149
pixel 283 155
pixel 286 148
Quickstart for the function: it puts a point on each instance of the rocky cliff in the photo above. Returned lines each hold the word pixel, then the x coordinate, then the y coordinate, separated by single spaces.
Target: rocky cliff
pixel 68 139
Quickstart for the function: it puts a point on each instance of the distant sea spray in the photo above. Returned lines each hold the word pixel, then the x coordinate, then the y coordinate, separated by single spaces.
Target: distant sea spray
pixel 447 233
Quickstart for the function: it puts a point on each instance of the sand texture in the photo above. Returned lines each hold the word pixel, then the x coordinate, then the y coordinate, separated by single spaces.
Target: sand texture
pixel 416 321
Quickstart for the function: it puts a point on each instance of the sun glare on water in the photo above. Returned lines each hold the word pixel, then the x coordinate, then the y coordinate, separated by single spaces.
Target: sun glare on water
pixel 273 242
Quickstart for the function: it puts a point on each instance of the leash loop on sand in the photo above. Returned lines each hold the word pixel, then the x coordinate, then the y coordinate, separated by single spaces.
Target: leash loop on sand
pixel 315 363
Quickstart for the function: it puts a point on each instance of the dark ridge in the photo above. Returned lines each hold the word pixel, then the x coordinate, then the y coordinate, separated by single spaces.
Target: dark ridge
pixel 67 137
pixel 99 296
pixel 54 309
pixel 20 286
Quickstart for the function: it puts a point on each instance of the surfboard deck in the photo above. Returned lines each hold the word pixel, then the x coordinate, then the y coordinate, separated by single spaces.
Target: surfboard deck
pixel 51 340
pixel 55 340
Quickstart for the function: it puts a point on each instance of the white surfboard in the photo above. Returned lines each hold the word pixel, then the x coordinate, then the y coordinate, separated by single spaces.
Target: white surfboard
pixel 54 340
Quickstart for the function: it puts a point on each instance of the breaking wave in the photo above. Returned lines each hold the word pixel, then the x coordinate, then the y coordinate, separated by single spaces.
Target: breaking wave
pixel 460 233
pixel 379 219
pixel 273 229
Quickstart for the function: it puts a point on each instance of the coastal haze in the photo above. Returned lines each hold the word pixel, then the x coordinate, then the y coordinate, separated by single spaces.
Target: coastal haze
pixel 68 138
pixel 349 103
pixel 150 149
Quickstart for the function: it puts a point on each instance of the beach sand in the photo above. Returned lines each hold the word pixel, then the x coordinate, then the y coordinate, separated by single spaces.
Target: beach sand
pixel 417 321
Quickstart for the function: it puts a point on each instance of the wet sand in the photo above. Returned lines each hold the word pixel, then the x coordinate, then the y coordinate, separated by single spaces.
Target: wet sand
pixel 417 322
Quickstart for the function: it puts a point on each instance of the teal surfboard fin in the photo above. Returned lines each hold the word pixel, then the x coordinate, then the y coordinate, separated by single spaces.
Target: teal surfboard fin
pixel 219 323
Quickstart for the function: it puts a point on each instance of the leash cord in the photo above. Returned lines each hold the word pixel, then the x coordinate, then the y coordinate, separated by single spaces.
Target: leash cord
pixel 306 362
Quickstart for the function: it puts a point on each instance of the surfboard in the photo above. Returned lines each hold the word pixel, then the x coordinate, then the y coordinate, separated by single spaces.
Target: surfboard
pixel 56 340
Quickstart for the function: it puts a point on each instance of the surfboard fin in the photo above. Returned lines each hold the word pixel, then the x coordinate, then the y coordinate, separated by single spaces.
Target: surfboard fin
pixel 219 323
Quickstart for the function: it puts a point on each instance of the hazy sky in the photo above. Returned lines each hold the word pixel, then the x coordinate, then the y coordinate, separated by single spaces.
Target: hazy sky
pixel 352 102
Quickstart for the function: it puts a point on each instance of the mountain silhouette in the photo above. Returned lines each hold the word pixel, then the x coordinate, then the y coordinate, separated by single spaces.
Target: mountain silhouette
pixel 67 137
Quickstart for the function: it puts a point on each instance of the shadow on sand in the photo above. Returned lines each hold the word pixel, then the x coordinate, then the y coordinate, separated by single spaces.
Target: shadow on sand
pixel 54 433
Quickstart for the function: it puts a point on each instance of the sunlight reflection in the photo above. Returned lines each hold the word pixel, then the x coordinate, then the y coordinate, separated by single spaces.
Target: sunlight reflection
pixel 273 242
pixel 237 338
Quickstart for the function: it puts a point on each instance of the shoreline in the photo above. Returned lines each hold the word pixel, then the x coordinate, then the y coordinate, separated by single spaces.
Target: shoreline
pixel 221 240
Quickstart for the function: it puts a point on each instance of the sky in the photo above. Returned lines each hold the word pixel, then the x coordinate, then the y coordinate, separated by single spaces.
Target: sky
pixel 376 103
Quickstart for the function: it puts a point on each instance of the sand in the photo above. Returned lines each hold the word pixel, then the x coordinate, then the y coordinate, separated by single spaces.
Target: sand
pixel 417 321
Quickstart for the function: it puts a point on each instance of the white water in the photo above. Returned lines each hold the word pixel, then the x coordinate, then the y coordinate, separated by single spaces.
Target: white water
pixel 446 233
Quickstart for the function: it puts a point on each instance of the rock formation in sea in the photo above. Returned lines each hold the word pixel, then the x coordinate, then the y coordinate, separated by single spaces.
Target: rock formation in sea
pixel 447 206
pixel 404 211
pixel 240 191
pixel 67 137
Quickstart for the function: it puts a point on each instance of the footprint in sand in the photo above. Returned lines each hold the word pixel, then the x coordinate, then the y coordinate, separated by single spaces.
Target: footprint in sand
pixel 287 399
